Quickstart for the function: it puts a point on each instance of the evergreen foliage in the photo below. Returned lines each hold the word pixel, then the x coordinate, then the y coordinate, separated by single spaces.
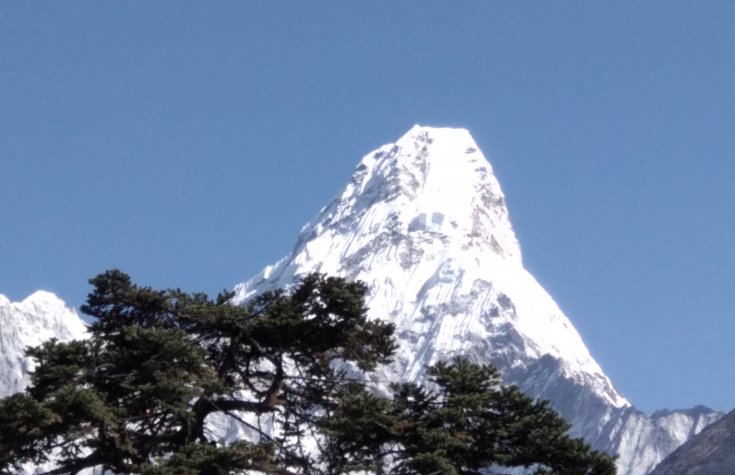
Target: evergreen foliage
pixel 467 424
pixel 135 396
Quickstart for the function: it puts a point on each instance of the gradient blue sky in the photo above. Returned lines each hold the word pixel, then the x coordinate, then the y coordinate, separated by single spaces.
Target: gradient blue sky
pixel 187 142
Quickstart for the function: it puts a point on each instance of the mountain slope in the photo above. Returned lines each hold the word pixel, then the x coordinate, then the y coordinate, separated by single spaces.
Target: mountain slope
pixel 423 222
pixel 711 452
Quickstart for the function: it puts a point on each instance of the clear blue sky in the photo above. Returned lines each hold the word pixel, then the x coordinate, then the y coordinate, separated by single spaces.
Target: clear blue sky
pixel 187 142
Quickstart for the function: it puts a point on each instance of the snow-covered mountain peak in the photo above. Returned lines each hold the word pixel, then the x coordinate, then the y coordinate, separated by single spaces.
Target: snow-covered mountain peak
pixel 43 299
pixel 435 181
pixel 423 222
pixel 38 318
pixel 433 184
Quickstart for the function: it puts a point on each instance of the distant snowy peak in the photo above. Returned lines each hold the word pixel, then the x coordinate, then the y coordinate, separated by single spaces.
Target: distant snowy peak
pixel 40 316
pixel 36 319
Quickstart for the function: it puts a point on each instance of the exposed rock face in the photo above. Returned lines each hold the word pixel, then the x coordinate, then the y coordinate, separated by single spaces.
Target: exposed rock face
pixel 711 452
pixel 424 223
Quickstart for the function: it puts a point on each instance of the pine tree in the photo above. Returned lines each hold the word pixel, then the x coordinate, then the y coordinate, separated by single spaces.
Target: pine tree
pixel 466 424
pixel 135 396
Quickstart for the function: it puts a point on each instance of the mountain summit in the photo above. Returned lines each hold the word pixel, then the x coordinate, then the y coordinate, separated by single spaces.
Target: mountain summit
pixel 423 222
pixel 431 181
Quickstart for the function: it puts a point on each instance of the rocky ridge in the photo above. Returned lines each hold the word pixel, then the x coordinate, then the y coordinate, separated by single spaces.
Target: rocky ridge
pixel 711 452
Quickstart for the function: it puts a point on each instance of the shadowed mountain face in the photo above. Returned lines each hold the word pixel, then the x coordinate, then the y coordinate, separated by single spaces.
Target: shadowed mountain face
pixel 711 452
pixel 423 222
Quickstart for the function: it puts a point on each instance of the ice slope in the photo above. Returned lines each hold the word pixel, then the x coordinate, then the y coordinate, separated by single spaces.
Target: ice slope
pixel 424 223
pixel 38 318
